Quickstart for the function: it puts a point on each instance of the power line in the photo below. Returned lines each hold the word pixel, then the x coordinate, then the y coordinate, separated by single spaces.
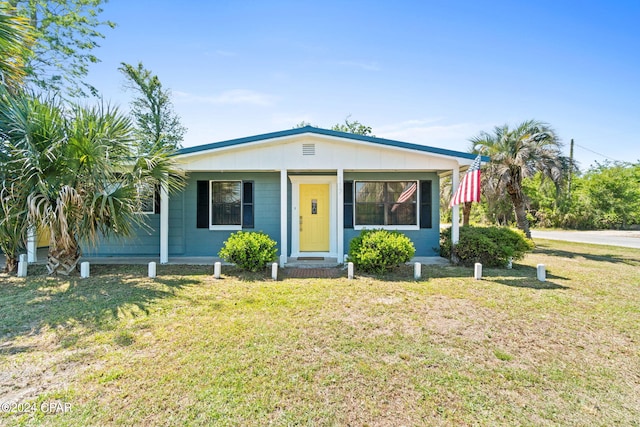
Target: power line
pixel 599 154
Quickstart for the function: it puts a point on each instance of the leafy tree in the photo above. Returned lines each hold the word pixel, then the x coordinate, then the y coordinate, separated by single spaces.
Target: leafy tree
pixel 613 191
pixel 66 32
pixel 303 124
pixel 348 127
pixel 519 153
pixel 16 39
pixel 157 125
pixel 79 174
pixel 353 127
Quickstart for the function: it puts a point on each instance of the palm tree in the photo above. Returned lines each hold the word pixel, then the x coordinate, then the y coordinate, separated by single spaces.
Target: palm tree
pixel 16 39
pixel 78 166
pixel 519 153
pixel 13 224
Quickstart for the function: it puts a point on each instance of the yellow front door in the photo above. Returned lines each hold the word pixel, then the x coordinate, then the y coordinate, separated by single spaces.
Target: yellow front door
pixel 314 217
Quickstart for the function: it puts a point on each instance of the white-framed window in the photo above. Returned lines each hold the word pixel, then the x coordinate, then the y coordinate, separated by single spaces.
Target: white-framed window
pixel 226 205
pixel 386 204
pixel 147 197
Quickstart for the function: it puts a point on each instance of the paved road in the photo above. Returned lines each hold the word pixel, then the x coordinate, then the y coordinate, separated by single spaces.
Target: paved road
pixel 630 239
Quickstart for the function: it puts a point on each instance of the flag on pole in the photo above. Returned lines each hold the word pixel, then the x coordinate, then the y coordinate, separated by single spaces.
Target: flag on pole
pixel 469 188
pixel 404 196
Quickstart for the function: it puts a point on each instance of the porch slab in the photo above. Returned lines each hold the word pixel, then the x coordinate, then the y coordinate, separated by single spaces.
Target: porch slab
pixel 430 260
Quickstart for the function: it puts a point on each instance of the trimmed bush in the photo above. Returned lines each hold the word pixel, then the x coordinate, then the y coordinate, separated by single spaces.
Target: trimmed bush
pixel 249 250
pixel 490 246
pixel 378 251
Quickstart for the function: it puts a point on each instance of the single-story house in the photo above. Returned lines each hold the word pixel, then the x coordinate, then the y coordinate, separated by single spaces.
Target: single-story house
pixel 312 190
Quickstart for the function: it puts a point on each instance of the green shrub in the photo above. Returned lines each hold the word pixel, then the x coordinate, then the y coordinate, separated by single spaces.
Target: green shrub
pixel 490 246
pixel 377 251
pixel 249 250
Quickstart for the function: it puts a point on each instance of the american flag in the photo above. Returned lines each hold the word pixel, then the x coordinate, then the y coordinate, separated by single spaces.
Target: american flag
pixel 405 195
pixel 469 188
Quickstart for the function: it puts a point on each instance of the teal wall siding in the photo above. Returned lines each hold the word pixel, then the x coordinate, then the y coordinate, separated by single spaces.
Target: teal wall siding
pixel 176 223
pixel 144 241
pixel 185 239
pixel 425 240
pixel 266 194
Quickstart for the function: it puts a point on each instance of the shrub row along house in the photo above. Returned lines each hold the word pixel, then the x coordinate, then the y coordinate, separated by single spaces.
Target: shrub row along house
pixel 310 189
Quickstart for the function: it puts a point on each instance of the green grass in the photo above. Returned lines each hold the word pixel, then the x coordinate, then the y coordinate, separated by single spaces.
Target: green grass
pixel 185 349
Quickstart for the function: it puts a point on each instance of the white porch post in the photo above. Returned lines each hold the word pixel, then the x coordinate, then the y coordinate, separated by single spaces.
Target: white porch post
pixel 455 214
pixel 164 224
pixel 32 245
pixel 340 221
pixel 283 217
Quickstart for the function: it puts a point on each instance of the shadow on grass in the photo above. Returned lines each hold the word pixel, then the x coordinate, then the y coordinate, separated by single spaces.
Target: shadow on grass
pixel 45 302
pixel 521 276
pixel 606 257
pixel 526 282
pixel 7 349
pixel 241 275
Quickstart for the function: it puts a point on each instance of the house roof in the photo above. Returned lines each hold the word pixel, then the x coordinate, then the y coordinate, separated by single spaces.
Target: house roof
pixel 326 132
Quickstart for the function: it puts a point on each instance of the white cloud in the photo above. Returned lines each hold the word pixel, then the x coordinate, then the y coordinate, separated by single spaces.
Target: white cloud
pixel 229 97
pixel 428 131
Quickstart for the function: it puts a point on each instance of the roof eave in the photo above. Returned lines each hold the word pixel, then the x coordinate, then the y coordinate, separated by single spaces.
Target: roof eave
pixel 201 149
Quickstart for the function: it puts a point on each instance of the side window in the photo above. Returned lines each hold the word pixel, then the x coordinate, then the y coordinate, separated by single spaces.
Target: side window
pixel 147 197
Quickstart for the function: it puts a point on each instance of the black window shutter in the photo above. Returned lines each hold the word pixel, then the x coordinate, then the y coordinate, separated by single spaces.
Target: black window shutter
pixel 247 204
pixel 202 204
pixel 425 204
pixel 348 204
pixel 156 199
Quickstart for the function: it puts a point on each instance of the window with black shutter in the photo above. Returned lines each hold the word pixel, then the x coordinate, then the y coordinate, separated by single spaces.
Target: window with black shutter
pixel 225 204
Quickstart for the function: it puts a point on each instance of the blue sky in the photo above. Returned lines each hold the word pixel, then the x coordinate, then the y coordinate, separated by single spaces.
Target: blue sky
pixel 428 72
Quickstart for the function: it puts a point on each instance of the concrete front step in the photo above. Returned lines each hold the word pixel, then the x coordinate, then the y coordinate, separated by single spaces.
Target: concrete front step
pixel 311 263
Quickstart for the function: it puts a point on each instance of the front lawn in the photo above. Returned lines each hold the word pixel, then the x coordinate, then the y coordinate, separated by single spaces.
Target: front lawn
pixel 185 349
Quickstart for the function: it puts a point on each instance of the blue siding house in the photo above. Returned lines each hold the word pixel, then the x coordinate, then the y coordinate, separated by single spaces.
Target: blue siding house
pixel 312 190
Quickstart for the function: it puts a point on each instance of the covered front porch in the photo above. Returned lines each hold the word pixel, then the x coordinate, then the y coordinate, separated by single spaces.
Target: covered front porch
pixel 315 212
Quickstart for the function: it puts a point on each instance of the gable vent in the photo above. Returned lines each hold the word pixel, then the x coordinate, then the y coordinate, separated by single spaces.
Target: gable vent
pixel 308 149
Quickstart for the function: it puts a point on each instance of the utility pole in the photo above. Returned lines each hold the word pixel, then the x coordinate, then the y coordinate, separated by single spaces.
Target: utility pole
pixel 570 169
